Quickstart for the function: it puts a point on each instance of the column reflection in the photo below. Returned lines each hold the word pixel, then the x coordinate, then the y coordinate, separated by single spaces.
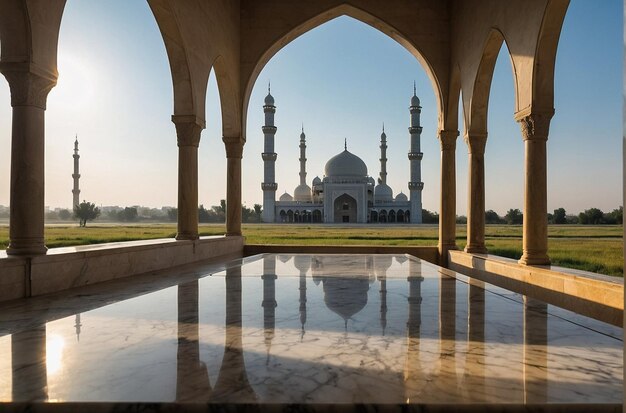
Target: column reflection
pixel 415 381
pixel 303 264
pixel 192 381
pixel 232 382
pixel 269 301
pixel 447 385
pixel 475 362
pixel 30 376
pixel 535 351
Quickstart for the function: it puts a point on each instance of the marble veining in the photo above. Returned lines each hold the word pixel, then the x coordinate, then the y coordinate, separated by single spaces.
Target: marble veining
pixel 306 329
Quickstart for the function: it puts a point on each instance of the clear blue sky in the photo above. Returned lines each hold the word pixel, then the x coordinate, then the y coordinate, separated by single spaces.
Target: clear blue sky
pixel 342 80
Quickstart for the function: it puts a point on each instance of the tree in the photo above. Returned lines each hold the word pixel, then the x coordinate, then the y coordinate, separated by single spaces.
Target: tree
pixel 461 219
pixel 128 214
pixel 514 217
pixel 429 217
pixel 86 211
pixel 591 216
pixel 559 216
pixel 614 217
pixel 172 214
pixel 65 214
pixel 258 210
pixel 492 217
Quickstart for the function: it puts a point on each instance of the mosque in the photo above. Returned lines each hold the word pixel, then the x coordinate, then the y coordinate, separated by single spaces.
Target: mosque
pixel 346 193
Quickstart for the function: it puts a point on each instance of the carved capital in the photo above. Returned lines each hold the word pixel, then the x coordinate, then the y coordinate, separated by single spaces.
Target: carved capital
pixel 28 88
pixel 234 146
pixel 476 142
pixel 188 129
pixel 535 126
pixel 447 138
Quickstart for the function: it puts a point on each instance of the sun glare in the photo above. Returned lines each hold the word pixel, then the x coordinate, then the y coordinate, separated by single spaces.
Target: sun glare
pixel 76 86
pixel 54 354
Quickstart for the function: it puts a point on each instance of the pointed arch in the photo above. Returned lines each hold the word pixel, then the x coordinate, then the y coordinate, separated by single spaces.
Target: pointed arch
pixel 229 102
pixel 324 17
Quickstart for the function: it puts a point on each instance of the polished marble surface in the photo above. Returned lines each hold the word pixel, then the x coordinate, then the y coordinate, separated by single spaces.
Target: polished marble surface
pixel 306 329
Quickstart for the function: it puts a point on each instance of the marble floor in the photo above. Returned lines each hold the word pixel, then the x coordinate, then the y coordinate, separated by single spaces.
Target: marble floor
pixel 305 330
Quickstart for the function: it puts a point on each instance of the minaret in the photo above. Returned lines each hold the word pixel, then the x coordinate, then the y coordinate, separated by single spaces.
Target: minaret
pixel 269 186
pixel 383 157
pixel 415 157
pixel 302 157
pixel 76 176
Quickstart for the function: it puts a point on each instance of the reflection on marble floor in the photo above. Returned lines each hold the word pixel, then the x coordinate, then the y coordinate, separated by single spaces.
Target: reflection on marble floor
pixel 315 329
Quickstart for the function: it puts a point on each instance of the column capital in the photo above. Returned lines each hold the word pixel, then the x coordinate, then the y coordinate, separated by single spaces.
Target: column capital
pixel 476 142
pixel 29 84
pixel 447 138
pixel 234 146
pixel 188 129
pixel 535 126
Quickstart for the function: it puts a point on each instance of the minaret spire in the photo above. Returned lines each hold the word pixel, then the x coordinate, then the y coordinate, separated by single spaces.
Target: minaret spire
pixel 269 186
pixel 302 157
pixel 76 175
pixel 415 158
pixel 383 157
pixel 345 144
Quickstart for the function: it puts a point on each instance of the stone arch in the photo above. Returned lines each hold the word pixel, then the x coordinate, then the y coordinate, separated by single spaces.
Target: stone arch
pixel 229 102
pixel 345 209
pixel 451 122
pixel 400 216
pixel 317 215
pixel 290 216
pixel 382 215
pixel 283 215
pixel 476 109
pixel 374 216
pixel 392 216
pixel 545 56
pixel 358 14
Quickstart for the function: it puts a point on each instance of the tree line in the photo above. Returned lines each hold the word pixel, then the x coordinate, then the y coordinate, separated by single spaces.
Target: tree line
pixel 87 211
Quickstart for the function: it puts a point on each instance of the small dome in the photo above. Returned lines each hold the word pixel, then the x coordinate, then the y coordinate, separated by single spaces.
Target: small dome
pixel 371 181
pixel 269 100
pixel 302 193
pixel 401 197
pixel 302 262
pixel 285 197
pixel 345 164
pixel 317 180
pixel 415 101
pixel 382 263
pixel 383 192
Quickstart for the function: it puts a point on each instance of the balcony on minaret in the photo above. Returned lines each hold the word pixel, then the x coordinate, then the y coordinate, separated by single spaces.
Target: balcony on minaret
pixel 415 129
pixel 269 186
pixel 415 156
pixel 269 156
pixel 269 129
pixel 416 186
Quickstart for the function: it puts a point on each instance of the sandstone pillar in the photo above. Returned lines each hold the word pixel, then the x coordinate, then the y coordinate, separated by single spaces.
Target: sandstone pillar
pixel 535 127
pixel 188 129
pixel 447 205
pixel 234 151
pixel 476 197
pixel 29 92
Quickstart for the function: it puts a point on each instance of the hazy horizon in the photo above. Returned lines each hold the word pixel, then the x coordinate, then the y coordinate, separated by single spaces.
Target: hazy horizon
pixel 342 80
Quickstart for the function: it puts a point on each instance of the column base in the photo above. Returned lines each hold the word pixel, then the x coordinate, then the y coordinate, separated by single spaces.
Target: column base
pixel 475 249
pixel 187 236
pixel 233 234
pixel 534 259
pixel 26 248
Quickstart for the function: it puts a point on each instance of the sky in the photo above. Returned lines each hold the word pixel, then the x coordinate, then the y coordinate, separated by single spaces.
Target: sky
pixel 341 80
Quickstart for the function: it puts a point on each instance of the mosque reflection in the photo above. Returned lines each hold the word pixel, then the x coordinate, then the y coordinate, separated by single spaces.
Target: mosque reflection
pixel 450 367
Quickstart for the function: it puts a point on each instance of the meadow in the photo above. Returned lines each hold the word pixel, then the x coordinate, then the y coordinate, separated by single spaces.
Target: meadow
pixel 587 247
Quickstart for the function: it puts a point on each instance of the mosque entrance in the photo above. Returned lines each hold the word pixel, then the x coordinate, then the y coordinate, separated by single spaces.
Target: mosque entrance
pixel 345 209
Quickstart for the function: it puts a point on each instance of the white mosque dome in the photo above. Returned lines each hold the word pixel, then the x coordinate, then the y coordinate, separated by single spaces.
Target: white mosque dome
pixel 371 181
pixel 302 193
pixel 383 192
pixel 401 197
pixel 345 164
pixel 285 197
pixel 302 262
pixel 317 181
pixel 269 100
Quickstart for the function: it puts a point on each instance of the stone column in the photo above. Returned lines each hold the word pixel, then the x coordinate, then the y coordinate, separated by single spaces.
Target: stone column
pixel 535 127
pixel 188 129
pixel 447 205
pixel 29 93
pixel 234 151
pixel 476 197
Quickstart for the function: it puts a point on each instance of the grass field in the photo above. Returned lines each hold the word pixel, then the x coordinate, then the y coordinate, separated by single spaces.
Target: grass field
pixel 591 248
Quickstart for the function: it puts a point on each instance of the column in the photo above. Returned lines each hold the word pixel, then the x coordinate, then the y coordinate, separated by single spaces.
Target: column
pixel 188 129
pixel 29 92
pixel 476 197
pixel 234 151
pixel 535 128
pixel 447 205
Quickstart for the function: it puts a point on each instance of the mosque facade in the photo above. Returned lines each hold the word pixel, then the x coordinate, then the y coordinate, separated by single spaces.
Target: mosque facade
pixel 346 193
